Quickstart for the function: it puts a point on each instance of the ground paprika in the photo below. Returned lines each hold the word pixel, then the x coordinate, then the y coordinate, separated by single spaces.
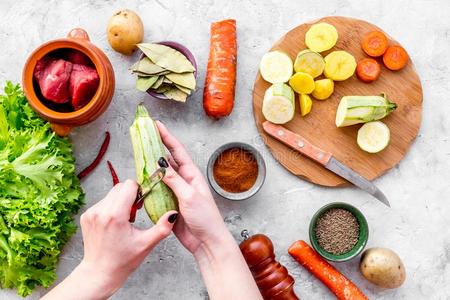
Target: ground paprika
pixel 235 170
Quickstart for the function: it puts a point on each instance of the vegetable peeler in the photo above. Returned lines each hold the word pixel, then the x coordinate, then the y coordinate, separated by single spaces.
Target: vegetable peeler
pixel 155 178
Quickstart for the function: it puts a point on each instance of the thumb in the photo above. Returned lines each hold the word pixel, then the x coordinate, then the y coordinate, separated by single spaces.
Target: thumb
pixel 162 229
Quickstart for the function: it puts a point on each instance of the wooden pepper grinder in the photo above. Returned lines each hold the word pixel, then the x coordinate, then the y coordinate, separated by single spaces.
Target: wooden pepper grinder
pixel 272 278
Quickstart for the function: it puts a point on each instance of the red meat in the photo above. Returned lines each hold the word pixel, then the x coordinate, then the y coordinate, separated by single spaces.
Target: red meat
pixel 84 82
pixel 77 57
pixel 53 76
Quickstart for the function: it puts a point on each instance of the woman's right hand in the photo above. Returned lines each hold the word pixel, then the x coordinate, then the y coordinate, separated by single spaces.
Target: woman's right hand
pixel 199 221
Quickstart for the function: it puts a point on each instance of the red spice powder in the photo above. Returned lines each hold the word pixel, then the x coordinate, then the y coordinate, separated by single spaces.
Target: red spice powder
pixel 235 170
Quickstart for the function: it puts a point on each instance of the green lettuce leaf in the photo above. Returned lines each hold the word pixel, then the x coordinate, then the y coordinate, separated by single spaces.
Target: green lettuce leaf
pixel 39 193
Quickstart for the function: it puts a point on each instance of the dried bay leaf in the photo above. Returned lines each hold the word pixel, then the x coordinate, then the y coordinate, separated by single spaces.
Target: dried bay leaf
pixel 167 57
pixel 175 94
pixel 144 83
pixel 184 79
pixel 158 82
pixel 145 65
pixel 183 89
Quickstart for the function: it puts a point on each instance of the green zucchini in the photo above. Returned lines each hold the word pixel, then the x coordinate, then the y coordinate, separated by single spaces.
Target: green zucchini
pixel 147 149
pixel 362 109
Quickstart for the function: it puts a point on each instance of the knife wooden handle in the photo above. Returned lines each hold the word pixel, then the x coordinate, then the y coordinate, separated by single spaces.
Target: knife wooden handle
pixel 297 142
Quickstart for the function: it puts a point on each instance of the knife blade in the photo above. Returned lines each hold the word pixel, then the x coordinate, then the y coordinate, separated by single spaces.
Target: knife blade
pixel 324 158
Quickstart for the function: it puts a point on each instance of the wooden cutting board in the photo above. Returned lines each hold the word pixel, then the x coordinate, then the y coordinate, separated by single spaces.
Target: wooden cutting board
pixel 402 87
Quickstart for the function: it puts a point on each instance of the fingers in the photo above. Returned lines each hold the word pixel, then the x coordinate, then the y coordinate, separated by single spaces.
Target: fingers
pixel 172 162
pixel 179 153
pixel 152 236
pixel 176 183
pixel 121 197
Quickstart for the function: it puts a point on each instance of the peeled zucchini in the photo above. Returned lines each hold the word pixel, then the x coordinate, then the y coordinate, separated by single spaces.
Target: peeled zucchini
pixel 276 66
pixel 278 104
pixel 362 109
pixel 373 136
pixel 147 149
pixel 310 62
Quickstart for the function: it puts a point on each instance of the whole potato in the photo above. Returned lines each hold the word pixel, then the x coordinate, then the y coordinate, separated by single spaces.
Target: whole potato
pixel 124 31
pixel 382 267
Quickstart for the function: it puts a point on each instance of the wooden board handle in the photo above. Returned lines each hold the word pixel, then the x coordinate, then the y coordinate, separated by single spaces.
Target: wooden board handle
pixel 297 142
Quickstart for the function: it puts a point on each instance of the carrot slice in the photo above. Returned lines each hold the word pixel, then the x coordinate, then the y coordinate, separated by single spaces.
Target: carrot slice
pixel 335 281
pixel 374 43
pixel 395 58
pixel 218 94
pixel 368 70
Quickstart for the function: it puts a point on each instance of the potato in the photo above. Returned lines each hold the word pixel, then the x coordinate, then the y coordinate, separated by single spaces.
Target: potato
pixel 323 89
pixel 124 31
pixel 382 267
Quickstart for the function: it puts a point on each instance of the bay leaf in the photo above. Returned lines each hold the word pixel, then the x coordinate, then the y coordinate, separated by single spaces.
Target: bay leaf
pixel 146 66
pixel 144 83
pixel 163 88
pixel 183 89
pixel 167 57
pixel 184 79
pixel 176 94
pixel 158 82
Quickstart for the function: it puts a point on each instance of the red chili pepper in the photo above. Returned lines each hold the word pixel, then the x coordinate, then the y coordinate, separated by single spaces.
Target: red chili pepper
pixel 97 160
pixel 133 213
pixel 114 176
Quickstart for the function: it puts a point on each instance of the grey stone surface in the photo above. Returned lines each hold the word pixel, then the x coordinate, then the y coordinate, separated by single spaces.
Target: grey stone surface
pixel 417 225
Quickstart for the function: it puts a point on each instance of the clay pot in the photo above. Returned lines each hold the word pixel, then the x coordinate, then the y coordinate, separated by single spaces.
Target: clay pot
pixel 63 122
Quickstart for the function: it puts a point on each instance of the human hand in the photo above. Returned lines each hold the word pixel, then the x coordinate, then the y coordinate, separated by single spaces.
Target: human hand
pixel 200 221
pixel 113 247
pixel 201 230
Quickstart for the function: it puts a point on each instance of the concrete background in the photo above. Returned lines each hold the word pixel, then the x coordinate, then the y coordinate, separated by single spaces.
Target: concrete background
pixel 416 226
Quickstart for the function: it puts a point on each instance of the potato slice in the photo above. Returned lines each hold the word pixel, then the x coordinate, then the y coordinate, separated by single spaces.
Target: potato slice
pixel 321 37
pixel 302 83
pixel 305 104
pixel 324 89
pixel 339 65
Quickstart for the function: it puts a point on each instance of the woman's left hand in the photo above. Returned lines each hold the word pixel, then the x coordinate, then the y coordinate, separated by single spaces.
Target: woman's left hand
pixel 113 247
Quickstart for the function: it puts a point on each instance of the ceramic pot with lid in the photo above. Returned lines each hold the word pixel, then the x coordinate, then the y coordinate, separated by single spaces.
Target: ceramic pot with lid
pixel 63 122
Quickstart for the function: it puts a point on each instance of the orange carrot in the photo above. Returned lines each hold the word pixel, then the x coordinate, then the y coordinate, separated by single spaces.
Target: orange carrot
pixel 335 281
pixel 218 94
pixel 368 70
pixel 395 58
pixel 374 43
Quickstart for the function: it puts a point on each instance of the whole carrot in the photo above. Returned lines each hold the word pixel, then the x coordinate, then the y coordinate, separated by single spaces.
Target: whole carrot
pixel 335 281
pixel 218 94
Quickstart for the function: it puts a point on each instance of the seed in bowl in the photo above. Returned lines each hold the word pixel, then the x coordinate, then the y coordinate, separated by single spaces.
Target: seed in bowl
pixel 337 231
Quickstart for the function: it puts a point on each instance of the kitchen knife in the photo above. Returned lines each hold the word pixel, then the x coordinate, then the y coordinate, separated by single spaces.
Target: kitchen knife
pixel 324 158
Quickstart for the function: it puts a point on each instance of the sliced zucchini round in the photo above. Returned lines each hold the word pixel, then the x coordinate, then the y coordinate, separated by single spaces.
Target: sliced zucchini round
pixel 310 62
pixel 278 104
pixel 276 66
pixel 373 137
